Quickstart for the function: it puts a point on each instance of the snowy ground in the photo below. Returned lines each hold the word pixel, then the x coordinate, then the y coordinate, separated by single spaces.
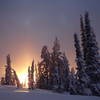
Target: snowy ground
pixel 12 93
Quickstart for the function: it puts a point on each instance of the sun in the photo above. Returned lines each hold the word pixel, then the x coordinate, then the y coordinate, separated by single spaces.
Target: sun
pixel 23 77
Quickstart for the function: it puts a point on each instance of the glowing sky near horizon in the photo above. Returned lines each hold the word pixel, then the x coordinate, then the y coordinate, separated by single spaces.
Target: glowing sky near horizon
pixel 27 25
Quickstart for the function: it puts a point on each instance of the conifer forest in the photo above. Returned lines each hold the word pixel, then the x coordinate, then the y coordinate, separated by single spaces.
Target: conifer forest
pixel 54 73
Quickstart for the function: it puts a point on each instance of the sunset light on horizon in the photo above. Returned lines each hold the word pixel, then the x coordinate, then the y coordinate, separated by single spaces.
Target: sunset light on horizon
pixel 49 49
pixel 25 26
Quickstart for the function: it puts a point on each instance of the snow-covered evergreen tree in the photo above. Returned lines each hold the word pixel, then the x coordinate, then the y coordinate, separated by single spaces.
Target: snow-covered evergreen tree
pixel 53 69
pixel 83 37
pixel 65 72
pixel 92 57
pixel 8 76
pixel 82 77
pixel 41 83
pixel 56 79
pixel 72 88
pixel 45 55
pixel 60 68
pixel 43 67
pixel 16 79
pixel 32 75
pixel 29 78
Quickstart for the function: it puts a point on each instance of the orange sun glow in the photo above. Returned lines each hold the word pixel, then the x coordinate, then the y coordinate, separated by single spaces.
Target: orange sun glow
pixel 23 77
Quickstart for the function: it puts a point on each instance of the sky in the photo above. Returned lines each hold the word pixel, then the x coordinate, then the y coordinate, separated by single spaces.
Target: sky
pixel 27 25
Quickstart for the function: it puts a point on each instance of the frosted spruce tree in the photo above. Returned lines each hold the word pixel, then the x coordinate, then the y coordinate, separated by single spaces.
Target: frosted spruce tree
pixel 16 79
pixel 8 74
pixel 45 55
pixel 59 68
pixel 44 68
pixel 32 75
pixel 83 37
pixel 40 79
pixel 55 64
pixel 91 56
pixel 72 88
pixel 29 78
pixel 82 77
pixel 65 72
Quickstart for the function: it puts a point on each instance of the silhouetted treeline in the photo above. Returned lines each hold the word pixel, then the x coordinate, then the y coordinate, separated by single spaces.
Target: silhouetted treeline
pixel 54 71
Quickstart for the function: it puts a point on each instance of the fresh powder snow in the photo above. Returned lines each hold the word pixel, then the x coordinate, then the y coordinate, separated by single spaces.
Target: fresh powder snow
pixel 13 93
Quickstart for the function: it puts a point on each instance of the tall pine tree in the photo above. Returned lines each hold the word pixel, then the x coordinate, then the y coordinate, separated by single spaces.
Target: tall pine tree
pixel 45 55
pixel 29 78
pixel 65 72
pixel 8 76
pixel 92 57
pixel 83 36
pixel 56 78
pixel 43 68
pixel 16 78
pixel 32 75
pixel 82 77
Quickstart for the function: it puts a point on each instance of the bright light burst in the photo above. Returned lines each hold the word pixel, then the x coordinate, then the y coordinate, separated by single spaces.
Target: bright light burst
pixel 23 77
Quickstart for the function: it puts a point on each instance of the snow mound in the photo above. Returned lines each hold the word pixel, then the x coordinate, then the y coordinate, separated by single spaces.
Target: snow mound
pixel 12 93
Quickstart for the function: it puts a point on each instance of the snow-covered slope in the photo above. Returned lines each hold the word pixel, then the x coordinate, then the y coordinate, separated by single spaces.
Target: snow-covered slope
pixel 12 93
